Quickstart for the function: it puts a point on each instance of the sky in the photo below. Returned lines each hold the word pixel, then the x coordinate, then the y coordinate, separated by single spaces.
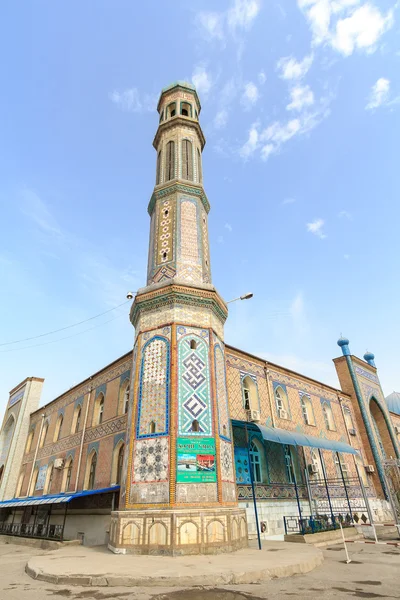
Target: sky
pixel 301 112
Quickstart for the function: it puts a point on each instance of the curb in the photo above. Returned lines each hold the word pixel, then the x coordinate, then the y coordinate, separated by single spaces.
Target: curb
pixel 229 578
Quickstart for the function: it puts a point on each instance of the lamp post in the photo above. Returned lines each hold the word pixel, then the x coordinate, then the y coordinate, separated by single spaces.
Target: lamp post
pixel 244 297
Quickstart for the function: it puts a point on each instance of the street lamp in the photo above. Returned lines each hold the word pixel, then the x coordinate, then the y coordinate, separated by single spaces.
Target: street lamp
pixel 244 297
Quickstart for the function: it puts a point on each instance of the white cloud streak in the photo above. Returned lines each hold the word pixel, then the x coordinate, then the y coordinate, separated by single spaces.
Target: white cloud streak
pixel 379 93
pixel 201 80
pixel 250 95
pixel 237 18
pixel 290 68
pixel 130 100
pixel 315 227
pixel 300 97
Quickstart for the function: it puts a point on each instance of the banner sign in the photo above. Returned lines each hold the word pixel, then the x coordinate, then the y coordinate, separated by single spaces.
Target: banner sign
pixel 41 478
pixel 242 465
pixel 196 460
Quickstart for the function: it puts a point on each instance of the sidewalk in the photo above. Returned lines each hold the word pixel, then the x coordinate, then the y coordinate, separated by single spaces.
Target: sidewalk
pixel 99 567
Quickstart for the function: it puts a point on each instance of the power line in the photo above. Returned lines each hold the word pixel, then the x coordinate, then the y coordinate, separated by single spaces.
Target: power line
pixel 64 338
pixel 35 337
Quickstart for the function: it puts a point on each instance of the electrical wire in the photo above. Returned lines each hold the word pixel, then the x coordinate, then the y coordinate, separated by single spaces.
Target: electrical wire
pixel 34 337
pixel 63 338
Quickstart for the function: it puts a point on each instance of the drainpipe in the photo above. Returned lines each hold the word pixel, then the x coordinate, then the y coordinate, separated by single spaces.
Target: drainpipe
pixel 266 370
pixel 83 437
pixel 36 453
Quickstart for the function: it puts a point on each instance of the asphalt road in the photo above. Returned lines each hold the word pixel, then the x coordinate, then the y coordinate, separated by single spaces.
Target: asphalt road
pixel 373 573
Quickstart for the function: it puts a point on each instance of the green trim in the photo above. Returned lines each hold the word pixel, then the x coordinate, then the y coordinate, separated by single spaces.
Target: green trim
pixel 178 187
pixel 180 298
pixel 190 106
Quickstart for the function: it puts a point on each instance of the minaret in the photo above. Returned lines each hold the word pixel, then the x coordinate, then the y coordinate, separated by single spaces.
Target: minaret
pixel 179 493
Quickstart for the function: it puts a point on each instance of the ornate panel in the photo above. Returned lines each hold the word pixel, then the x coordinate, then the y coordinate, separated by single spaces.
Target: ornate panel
pixel 165 235
pixel 222 394
pixel 153 388
pixel 150 460
pixel 226 461
pixel 194 387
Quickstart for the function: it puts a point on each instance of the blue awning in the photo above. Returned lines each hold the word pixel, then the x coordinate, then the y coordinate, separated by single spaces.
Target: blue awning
pixel 54 499
pixel 295 438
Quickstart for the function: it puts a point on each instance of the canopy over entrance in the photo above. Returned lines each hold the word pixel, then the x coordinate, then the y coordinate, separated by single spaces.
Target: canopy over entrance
pixel 54 499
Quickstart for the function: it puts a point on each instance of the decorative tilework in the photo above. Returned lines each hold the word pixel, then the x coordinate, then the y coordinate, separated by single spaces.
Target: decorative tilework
pixel 226 461
pixel 366 374
pixel 206 251
pixel 189 246
pixel 194 387
pixel 154 388
pixel 165 233
pixel 222 394
pixel 150 460
pixel 165 272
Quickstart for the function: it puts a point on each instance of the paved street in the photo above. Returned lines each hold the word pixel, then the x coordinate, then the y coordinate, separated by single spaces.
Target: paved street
pixel 374 573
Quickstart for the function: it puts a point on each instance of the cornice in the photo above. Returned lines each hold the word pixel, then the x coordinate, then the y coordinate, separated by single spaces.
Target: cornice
pixel 178 187
pixel 172 294
pixel 179 121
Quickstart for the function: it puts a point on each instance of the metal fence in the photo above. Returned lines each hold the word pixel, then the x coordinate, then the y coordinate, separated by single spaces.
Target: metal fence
pixel 48 532
pixel 316 524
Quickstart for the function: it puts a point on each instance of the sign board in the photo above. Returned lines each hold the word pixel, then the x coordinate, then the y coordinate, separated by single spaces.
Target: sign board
pixel 41 478
pixel 16 398
pixel 242 465
pixel 196 460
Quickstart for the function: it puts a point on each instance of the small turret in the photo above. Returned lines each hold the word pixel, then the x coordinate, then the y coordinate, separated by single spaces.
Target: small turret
pixel 344 344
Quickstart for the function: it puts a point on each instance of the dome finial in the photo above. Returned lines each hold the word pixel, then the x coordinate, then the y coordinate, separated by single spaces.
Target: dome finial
pixel 369 357
pixel 344 345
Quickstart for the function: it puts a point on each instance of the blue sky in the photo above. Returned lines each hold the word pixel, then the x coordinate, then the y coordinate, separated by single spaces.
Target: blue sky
pixel 301 105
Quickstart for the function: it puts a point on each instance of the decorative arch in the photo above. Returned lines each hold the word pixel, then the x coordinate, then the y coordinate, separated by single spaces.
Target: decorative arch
pixel 281 400
pixel 98 410
pixel 49 479
pixel 222 393
pixel 307 409
pixel 383 429
pixel 117 463
pixel 170 161
pixel 76 419
pixel 29 439
pixel 123 398
pixel 251 400
pixel 154 388
pixel 67 474
pixel 328 415
pixel 58 427
pixel 187 159
pixel 44 433
pixel 194 399
pixel 34 480
pixel 258 460
pixel 6 437
pixel 20 483
pixel 90 473
pixel 159 163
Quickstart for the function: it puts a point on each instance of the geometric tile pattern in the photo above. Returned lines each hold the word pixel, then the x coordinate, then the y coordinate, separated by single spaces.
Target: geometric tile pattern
pixel 206 253
pixel 222 395
pixel 150 460
pixel 194 387
pixel 154 388
pixel 189 246
pixel 165 233
pixel 226 461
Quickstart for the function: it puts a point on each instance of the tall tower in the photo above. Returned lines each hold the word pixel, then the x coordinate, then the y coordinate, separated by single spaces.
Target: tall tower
pixel 179 492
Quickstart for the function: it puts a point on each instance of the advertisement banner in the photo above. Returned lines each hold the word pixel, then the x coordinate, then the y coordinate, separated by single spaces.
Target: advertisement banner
pixel 196 460
pixel 41 478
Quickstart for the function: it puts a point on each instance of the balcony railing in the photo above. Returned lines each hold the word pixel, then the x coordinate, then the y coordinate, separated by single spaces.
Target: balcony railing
pixel 47 532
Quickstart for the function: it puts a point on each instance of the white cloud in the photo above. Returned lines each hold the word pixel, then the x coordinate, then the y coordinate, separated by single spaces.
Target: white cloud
pixel 129 100
pixel 242 14
pixel 290 68
pixel 212 24
pixel 201 80
pixel 251 145
pixel 344 25
pixel 379 93
pixel 221 118
pixel 288 201
pixel 262 78
pixel 344 214
pixel 315 227
pixel 250 95
pixel 229 227
pixel 300 96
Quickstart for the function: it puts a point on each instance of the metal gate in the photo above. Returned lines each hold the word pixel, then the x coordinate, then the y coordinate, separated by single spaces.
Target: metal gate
pixel 339 499
pixel 391 468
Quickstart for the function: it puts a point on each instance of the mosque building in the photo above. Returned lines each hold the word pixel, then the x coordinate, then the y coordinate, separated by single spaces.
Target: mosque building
pixel 164 449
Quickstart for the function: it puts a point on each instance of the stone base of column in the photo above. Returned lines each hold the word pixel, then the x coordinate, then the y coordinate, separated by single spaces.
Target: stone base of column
pixel 174 532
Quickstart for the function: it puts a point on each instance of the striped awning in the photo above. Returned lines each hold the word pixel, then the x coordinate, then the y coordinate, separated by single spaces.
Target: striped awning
pixel 54 499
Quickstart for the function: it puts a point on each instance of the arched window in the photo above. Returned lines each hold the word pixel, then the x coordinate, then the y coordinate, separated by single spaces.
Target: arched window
pixel 361 470
pixel 195 425
pixel 307 409
pixel 123 402
pixel 126 399
pixel 187 160
pixel 29 440
pixel 282 403
pixel 328 416
pixel 170 161
pixel 67 473
pixel 152 427
pixel 172 109
pixel 186 109
pixel 33 482
pixel 193 344
pixel 19 484
pixel 289 464
pixel 199 169
pixel 49 480
pixel 76 421
pixel 57 430
pixel 348 418
pixel 92 471
pixel 120 462
pixel 255 460
pixel 250 394
pixel 158 174
pixel 98 410
pixel 43 434
pixel 339 462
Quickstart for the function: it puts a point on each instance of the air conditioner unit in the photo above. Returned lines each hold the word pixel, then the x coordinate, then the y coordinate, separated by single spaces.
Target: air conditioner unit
pixel 253 415
pixel 282 414
pixel 312 469
pixel 397 429
pixel 59 463
pixel 352 432
pixel 370 468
